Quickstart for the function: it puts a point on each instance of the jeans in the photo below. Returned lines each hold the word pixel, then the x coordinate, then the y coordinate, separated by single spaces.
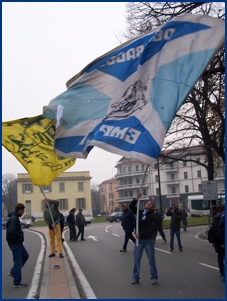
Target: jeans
pixel 185 224
pixel 148 245
pixel 72 232
pixel 81 231
pixel 177 232
pixel 128 235
pixel 20 256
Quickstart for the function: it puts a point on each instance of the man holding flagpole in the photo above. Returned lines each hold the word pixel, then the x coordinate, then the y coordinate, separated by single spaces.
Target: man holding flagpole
pixel 145 235
pixel 51 218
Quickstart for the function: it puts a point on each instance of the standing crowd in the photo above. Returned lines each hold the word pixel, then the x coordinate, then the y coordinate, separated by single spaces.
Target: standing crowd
pixel 147 225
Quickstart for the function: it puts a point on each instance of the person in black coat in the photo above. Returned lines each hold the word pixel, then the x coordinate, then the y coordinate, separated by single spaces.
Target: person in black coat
pixel 160 217
pixel 71 222
pixel 15 239
pixel 128 224
pixel 146 233
pixel 218 225
pixel 176 217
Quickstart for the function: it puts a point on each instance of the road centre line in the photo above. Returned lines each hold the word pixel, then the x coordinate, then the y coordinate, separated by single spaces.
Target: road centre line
pixel 115 235
pixel 209 266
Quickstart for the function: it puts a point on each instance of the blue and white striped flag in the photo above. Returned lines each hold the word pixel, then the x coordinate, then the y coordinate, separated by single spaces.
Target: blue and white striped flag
pixel 124 101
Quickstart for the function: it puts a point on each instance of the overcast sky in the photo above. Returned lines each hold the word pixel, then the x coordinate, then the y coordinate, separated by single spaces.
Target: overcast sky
pixel 43 46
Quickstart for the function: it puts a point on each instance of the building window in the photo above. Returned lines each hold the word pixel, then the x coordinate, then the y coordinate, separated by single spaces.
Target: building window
pixel 156 178
pixel 144 192
pixel 80 203
pixel 125 181
pixel 171 165
pixel 111 187
pixel 137 168
pixel 80 186
pixel 200 187
pixel 198 160
pixel 142 167
pixel 126 194
pixel 155 165
pixel 173 189
pixel 124 169
pixel 63 204
pixel 199 173
pixel 137 180
pixel 131 193
pixel 46 188
pixel 129 168
pixel 62 187
pixel 172 176
pixel 111 203
pixel 185 175
pixel 130 180
pixel 186 188
pixel 157 191
pixel 110 195
pixel 184 163
pixel 27 188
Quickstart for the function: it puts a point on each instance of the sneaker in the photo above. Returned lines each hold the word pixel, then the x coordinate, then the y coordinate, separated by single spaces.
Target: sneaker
pixel 123 250
pixel 83 239
pixel 61 256
pixel 10 274
pixel 171 250
pixel 21 285
pixel 134 281
pixel 52 255
pixel 181 250
pixel 154 281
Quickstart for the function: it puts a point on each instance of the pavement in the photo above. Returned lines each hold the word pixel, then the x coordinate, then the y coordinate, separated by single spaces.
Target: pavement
pixel 55 277
pixel 62 278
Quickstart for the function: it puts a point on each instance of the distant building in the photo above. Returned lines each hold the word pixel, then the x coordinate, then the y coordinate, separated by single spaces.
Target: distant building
pixel 108 196
pixel 71 189
pixel 177 181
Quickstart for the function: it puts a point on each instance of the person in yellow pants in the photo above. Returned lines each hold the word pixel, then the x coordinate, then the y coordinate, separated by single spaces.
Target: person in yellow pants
pixel 51 218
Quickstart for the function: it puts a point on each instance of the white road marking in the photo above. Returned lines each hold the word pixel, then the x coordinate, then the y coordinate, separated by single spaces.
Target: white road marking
pixel 93 237
pixel 209 266
pixel 163 251
pixel 106 229
pixel 115 235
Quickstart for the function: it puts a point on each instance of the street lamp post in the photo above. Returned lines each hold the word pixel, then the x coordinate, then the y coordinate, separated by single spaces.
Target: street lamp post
pixel 159 184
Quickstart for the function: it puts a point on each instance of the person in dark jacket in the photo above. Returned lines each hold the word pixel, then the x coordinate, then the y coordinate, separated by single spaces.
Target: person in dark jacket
pixel 184 220
pixel 145 235
pixel 80 222
pixel 15 239
pixel 128 224
pixel 71 222
pixel 160 217
pixel 62 224
pixel 176 217
pixel 219 233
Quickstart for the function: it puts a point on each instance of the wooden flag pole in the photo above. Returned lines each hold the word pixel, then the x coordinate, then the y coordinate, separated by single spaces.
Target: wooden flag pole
pixel 52 219
pixel 138 205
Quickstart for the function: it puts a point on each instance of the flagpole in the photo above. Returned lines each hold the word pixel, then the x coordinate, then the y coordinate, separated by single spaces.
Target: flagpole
pixel 138 205
pixel 52 219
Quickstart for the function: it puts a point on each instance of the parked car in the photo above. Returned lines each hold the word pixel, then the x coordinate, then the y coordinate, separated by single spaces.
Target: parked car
pixel 23 224
pixel 88 221
pixel 114 217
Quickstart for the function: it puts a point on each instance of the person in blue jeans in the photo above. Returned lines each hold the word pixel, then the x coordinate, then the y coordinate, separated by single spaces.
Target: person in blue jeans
pixel 176 217
pixel 15 239
pixel 146 233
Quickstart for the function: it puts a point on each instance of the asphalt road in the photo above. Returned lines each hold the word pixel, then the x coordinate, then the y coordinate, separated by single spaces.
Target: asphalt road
pixel 182 275
pixel 32 243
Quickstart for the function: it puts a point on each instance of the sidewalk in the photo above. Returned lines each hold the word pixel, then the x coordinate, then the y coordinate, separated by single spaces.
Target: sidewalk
pixel 57 279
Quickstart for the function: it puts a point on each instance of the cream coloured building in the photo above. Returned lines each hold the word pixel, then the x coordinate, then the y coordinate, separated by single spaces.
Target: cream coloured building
pixel 71 189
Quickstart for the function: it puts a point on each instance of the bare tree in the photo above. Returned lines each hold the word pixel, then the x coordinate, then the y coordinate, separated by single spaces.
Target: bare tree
pixel 201 119
pixel 95 199
pixel 9 192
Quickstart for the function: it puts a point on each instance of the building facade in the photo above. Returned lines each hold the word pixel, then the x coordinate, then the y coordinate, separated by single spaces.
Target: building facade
pixel 71 189
pixel 108 196
pixel 177 181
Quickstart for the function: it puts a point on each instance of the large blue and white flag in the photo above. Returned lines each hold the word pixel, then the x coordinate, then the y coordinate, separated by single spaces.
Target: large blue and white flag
pixel 124 101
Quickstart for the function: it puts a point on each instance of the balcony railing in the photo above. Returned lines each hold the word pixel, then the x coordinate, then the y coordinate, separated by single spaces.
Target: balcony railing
pixel 130 186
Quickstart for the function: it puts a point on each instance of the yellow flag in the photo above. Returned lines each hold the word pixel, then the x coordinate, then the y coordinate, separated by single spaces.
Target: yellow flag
pixel 31 141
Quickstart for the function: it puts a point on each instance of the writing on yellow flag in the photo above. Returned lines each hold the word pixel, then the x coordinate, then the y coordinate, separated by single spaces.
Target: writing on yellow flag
pixel 31 141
